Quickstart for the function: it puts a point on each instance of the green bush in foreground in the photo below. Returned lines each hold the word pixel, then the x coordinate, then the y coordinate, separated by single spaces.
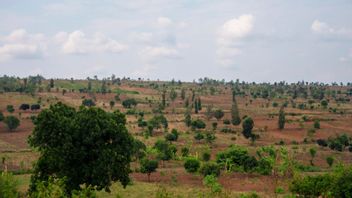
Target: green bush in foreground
pixel 8 186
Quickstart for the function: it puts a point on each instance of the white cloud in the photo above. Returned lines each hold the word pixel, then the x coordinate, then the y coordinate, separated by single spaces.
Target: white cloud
pixel 21 45
pixel 229 37
pixel 78 43
pixel 164 22
pixel 325 29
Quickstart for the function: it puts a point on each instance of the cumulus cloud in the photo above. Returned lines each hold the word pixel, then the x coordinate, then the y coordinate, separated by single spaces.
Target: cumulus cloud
pixel 229 38
pixel 320 27
pixel 160 52
pixel 78 43
pixel 21 45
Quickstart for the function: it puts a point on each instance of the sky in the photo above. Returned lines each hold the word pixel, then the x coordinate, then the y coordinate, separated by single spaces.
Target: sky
pixel 252 40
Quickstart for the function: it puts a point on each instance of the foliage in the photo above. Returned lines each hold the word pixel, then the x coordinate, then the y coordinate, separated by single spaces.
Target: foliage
pixel 211 182
pixel 128 103
pixel 206 156
pixel 247 126
pixel 148 166
pixel 218 114
pixel 157 121
pixel 316 124
pixel 12 122
pixel 24 107
pixel 330 161
pixel 173 136
pixel 235 116
pixel 166 151
pixel 192 164
pixel 185 151
pixel 198 124
pixel 10 108
pixel 281 118
pixel 1 116
pixel 8 186
pixel 91 136
pixel 210 168
pixel 88 102
pixel 35 107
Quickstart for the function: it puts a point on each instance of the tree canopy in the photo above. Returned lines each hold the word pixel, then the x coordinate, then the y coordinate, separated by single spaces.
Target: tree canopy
pixel 88 146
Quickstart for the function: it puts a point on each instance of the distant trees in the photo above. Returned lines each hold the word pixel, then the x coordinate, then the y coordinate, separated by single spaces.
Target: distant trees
pixel 148 166
pixel 24 107
pixel 12 122
pixel 192 165
pixel 282 119
pixel 218 114
pixel 112 104
pixel 188 119
pixel 128 103
pixel 173 94
pixel 235 115
pixel 51 83
pixel 1 116
pixel 247 126
pixel 35 107
pixel 10 108
pixel 88 102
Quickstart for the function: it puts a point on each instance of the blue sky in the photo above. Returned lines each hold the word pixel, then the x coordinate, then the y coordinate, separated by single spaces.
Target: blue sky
pixel 262 41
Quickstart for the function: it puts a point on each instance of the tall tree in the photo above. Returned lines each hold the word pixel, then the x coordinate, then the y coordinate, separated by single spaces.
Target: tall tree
pixel 183 93
pixel 51 83
pixel 163 99
pixel 235 115
pixel 282 119
pixel 247 126
pixel 88 146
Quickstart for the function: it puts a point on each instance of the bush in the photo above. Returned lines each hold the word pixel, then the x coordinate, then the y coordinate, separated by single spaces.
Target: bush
pixel 173 136
pixel 311 186
pixel 1 116
pixel 129 102
pixel 316 124
pixel 206 156
pixel 199 136
pixel 88 102
pixel 198 124
pixel 226 121
pixel 12 122
pixel 210 168
pixel 185 151
pixel 8 186
pixel 192 165
pixel 247 126
pixel 218 114
pixel 148 166
pixel 322 142
pixel 10 108
pixel 35 107
pixel 24 107
pixel 211 182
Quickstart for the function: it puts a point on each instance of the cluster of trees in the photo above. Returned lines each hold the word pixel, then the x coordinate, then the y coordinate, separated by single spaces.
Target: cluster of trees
pixel 25 107
pixel 338 143
pixel 336 184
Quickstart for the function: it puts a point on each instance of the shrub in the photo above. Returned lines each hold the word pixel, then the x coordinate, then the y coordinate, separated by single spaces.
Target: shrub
pixel 128 103
pixel 316 124
pixel 148 166
pixel 311 186
pixel 10 108
pixel 211 182
pixel 218 114
pixel 24 107
pixel 185 151
pixel 330 161
pixel 8 186
pixel 206 156
pixel 210 168
pixel 199 136
pixel 1 116
pixel 226 121
pixel 247 126
pixel 322 142
pixel 88 102
pixel 173 136
pixel 198 124
pixel 192 165
pixel 12 122
pixel 35 107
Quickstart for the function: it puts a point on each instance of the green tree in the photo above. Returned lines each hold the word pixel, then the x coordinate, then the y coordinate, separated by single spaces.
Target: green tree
pixel 312 152
pixel 188 119
pixel 12 122
pixel 235 115
pixel 10 108
pixel 192 165
pixel 218 114
pixel 282 119
pixel 8 186
pixel 128 103
pixel 148 167
pixel 1 116
pixel 316 124
pixel 330 161
pixel 247 126
pixel 98 140
pixel 112 104
pixel 196 106
pixel 51 83
pixel 173 94
pixel 183 93
pixel 209 112
pixel 163 99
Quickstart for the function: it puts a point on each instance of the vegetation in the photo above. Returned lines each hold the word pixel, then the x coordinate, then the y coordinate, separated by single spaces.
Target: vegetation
pixel 12 122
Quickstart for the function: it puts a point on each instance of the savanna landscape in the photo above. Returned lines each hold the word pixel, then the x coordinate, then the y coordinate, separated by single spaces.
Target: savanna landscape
pixel 175 99
pixel 255 140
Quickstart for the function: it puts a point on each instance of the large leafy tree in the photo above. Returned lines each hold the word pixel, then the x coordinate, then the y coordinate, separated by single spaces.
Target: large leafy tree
pixel 88 146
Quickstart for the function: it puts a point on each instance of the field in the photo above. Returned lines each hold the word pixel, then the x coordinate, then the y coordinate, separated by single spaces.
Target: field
pixel 171 177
